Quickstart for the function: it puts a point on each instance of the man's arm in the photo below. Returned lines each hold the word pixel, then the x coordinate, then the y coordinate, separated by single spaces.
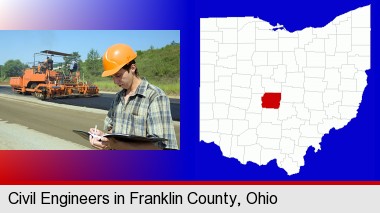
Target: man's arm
pixel 160 122
pixel 108 121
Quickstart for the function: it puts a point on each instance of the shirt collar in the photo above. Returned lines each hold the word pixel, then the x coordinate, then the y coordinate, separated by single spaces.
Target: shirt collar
pixel 143 86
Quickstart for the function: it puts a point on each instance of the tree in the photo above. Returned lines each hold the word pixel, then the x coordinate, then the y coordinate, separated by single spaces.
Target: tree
pixel 139 53
pixel 13 68
pixel 93 63
pixel 68 59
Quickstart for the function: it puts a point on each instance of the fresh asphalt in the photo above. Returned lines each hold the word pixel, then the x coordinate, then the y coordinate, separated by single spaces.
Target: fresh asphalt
pixel 103 101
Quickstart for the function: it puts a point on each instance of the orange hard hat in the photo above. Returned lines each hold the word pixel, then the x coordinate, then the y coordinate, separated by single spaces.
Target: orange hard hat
pixel 116 57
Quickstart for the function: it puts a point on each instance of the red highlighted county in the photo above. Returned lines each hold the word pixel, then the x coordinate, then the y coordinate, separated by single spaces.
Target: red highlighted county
pixel 271 100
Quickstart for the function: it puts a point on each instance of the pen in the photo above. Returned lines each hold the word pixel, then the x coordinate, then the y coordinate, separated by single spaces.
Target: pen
pixel 95 133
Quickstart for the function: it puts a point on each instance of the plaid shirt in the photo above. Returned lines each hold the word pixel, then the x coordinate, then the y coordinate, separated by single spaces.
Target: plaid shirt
pixel 147 112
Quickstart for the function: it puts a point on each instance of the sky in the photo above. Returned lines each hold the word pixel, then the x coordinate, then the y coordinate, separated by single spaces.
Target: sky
pixel 22 44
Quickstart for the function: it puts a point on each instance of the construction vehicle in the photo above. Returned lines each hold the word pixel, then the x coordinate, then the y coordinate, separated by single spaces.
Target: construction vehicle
pixel 44 82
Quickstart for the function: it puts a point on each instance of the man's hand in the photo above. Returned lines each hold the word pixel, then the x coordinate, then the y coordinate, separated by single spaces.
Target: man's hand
pixel 97 140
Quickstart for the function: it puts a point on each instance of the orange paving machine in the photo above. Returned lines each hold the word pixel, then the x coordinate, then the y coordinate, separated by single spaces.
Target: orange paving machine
pixel 44 82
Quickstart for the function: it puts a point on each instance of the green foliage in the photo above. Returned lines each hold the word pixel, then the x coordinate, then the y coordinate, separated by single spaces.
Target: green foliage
pixel 160 65
pixel 107 85
pixel 171 89
pixel 68 59
pixel 12 68
pixel 93 67
pixel 1 72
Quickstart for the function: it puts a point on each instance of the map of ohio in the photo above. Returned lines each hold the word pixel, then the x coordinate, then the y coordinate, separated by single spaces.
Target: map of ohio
pixel 266 93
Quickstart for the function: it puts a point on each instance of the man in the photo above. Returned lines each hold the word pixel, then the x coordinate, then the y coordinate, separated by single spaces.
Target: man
pixel 48 63
pixel 73 66
pixel 140 108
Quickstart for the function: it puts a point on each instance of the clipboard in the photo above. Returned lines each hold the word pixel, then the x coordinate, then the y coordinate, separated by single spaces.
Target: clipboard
pixel 123 137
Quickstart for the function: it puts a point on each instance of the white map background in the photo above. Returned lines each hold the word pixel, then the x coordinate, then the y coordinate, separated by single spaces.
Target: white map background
pixel 320 73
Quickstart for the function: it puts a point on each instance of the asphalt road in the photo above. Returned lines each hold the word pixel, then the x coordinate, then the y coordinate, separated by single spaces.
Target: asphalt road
pixel 101 102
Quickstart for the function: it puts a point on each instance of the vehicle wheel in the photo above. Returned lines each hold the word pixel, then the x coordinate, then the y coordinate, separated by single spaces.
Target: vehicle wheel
pixel 44 94
pixel 34 85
